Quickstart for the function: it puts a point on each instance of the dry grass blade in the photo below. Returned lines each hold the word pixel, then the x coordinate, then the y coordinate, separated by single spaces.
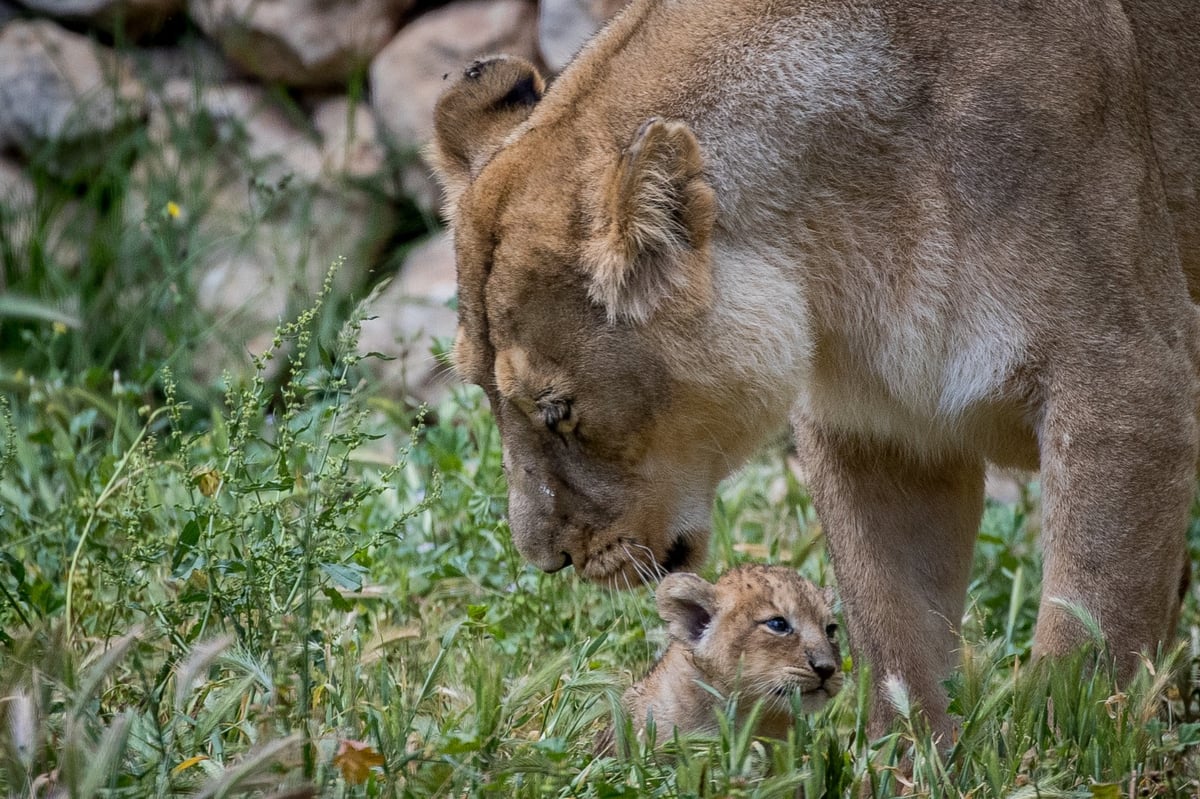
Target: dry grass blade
pixel 103 764
pixel 1084 616
pixel 254 764
pixel 21 712
pixel 99 664
pixel 897 695
pixel 202 657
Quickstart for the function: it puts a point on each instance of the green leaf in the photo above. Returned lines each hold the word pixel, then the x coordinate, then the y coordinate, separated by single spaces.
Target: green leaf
pixel 15 567
pixel 1105 790
pixel 1188 734
pixel 18 307
pixel 185 545
pixel 556 747
pixel 346 575
pixel 338 601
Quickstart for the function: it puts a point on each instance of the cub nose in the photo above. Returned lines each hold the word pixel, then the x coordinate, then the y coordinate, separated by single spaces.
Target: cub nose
pixel 823 668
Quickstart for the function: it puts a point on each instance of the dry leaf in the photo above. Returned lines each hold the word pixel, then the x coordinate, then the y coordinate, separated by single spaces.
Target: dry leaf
pixel 208 481
pixel 356 759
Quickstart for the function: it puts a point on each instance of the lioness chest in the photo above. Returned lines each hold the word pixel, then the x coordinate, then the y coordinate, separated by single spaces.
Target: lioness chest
pixel 926 381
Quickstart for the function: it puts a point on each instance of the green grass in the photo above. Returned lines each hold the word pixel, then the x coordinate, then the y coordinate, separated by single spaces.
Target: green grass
pixel 282 583
pixel 220 608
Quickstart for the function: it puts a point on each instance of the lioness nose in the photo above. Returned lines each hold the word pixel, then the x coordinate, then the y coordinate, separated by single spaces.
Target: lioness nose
pixel 823 668
pixel 551 563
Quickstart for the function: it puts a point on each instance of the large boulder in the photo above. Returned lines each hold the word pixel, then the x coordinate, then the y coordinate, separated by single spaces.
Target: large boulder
pixel 133 17
pixel 300 42
pixel 60 86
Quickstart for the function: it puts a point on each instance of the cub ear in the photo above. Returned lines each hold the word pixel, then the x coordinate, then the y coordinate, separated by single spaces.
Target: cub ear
pixel 472 117
pixel 687 603
pixel 652 225
pixel 829 594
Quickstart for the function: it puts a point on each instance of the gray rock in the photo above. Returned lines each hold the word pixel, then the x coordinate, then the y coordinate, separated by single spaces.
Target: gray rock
pixel 300 42
pixel 408 75
pixel 278 146
pixel 275 214
pixel 565 25
pixel 59 86
pixel 408 314
pixel 349 139
pixel 21 223
pixel 250 280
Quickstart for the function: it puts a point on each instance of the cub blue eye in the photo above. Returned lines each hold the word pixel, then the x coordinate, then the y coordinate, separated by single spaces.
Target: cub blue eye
pixel 778 624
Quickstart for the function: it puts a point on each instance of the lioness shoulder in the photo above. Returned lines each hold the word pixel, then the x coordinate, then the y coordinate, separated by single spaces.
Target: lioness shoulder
pixel 763 632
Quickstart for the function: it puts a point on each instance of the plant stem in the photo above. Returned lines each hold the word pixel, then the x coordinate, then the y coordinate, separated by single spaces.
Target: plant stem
pixel 109 489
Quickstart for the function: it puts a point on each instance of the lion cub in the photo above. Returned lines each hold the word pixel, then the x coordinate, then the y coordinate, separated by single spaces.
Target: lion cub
pixel 762 630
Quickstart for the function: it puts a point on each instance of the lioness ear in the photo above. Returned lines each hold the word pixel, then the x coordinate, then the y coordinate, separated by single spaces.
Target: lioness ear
pixel 687 603
pixel 472 117
pixel 652 225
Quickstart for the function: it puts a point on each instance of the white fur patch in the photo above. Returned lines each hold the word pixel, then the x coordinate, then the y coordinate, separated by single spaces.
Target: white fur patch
pixel 837 279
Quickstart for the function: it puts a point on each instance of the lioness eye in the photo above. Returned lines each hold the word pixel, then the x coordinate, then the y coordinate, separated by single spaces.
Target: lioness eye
pixel 559 415
pixel 831 630
pixel 779 625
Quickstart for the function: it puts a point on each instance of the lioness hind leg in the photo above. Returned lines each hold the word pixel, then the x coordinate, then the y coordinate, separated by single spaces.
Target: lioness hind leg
pixel 1118 470
pixel 901 532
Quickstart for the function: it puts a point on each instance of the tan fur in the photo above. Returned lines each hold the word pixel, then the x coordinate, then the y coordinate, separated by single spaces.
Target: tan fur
pixel 932 235
pixel 719 638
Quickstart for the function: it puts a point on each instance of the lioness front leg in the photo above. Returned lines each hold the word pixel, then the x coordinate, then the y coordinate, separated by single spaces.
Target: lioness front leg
pixel 901 531
pixel 1118 474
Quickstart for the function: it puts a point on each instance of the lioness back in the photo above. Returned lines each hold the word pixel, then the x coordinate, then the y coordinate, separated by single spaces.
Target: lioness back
pixel 761 631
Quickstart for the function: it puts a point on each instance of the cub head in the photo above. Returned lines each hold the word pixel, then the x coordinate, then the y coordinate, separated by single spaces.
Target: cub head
pixel 583 251
pixel 763 629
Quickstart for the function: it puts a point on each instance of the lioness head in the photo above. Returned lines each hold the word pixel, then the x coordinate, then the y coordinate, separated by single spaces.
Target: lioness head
pixel 583 250
pixel 762 629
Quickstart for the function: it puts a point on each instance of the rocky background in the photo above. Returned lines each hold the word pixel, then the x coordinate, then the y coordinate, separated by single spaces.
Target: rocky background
pixel 313 116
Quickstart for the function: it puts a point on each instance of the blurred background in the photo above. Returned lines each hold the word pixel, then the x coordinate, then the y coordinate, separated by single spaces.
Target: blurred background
pixel 178 176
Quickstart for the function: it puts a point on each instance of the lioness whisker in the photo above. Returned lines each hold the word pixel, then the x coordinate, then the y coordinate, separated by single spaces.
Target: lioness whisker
pixel 638 566
pixel 657 571
pixel 641 612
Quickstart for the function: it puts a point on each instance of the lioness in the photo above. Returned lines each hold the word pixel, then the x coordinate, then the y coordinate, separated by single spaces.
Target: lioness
pixel 762 630
pixel 932 235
